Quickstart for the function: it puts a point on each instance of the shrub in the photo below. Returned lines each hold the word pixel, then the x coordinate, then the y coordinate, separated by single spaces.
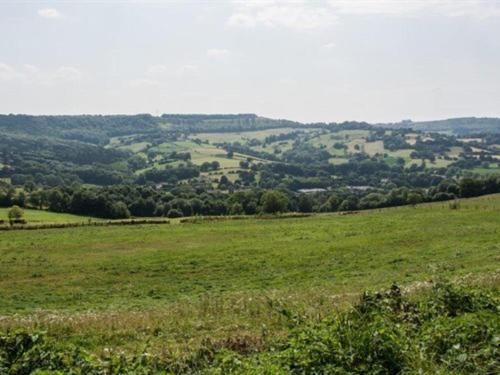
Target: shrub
pixel 15 214
pixel 447 329
pixel 173 213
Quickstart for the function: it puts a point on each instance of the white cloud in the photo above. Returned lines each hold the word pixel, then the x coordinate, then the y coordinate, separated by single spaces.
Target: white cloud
pixel 218 54
pixel 387 7
pixel 49 13
pixel 161 71
pixel 9 73
pixel 309 15
pixel 67 74
pixel 157 69
pixel 188 70
pixel 31 74
pixel 301 15
pixel 329 46
pixel 143 82
pixel 31 69
pixel 448 8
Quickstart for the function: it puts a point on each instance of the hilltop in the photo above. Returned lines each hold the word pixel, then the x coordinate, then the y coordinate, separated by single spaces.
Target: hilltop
pixel 459 126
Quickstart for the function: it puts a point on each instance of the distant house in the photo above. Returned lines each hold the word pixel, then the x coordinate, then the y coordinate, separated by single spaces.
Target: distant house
pixel 311 191
pixel 359 188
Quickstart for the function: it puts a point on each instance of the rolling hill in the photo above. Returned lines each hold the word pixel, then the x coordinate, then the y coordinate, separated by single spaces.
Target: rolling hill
pixel 458 126
pixel 219 278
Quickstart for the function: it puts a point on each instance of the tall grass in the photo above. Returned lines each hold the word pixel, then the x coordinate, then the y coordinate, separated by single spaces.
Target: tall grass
pixel 435 328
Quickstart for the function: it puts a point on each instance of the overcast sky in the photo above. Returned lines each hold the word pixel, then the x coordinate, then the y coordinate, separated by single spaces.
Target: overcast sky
pixel 304 60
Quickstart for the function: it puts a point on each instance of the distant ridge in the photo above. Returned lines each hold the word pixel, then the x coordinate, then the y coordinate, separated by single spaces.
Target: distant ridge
pixel 71 126
pixel 457 126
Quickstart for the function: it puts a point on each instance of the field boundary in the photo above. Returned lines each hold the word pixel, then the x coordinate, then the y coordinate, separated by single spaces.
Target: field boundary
pixel 83 224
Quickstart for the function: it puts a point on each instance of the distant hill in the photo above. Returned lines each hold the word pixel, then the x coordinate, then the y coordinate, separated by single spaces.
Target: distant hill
pixel 224 122
pixel 457 126
pixel 98 129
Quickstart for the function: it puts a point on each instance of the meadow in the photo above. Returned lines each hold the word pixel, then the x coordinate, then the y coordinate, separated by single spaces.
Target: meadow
pixel 42 216
pixel 172 287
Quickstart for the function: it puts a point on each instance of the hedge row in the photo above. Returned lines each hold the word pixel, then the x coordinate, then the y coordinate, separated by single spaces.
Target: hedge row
pixel 83 224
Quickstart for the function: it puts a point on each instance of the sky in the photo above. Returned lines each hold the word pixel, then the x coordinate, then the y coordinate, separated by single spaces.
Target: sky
pixel 375 61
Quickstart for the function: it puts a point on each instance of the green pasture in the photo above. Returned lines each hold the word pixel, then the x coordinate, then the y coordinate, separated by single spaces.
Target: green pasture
pixel 41 216
pixel 172 287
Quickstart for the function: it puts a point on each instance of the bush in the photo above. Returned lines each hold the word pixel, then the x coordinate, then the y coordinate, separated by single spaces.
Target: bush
pixel 173 213
pixel 16 215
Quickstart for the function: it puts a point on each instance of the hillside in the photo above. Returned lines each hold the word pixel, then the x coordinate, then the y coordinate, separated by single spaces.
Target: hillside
pixel 217 278
pixel 458 126
pixel 117 167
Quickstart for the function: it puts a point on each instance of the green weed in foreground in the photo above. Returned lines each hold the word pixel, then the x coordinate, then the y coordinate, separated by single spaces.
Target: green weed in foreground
pixel 450 329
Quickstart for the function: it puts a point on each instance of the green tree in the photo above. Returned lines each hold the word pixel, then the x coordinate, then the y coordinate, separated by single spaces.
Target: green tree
pixel 274 201
pixel 414 198
pixel 237 209
pixel 15 214
pixel 119 210
pixel 173 213
pixel 332 204
pixel 58 201
pixel 349 204
pixel 305 203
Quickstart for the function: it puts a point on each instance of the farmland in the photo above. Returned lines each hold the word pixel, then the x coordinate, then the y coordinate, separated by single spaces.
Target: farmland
pixel 42 216
pixel 273 227
pixel 216 279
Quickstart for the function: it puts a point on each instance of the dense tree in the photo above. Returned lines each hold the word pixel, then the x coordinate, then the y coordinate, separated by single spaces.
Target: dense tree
pixel 305 203
pixel 273 201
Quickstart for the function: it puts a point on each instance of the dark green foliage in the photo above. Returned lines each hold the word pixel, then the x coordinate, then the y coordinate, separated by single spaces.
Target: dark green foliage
pixel 136 159
pixel 15 213
pixel 174 213
pixel 274 201
pixel 460 126
pixel 224 123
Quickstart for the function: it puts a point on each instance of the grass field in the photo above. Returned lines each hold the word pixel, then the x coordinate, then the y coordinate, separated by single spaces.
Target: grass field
pixel 38 216
pixel 177 284
pixel 242 136
pixel 492 169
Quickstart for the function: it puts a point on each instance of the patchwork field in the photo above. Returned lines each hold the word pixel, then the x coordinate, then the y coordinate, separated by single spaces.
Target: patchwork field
pixel 492 168
pixel 243 136
pixel 173 285
pixel 202 147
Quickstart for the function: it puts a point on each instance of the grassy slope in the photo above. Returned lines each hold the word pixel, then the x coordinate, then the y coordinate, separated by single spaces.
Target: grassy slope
pixel 138 267
pixel 175 286
pixel 38 216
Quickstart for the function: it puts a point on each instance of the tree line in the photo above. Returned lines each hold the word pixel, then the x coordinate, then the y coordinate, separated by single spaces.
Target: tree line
pixel 124 201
